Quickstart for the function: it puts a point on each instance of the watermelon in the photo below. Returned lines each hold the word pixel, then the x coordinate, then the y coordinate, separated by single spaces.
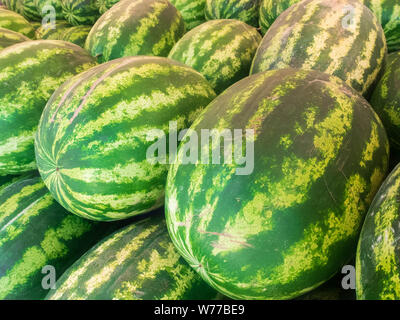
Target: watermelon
pixel 104 5
pixel 378 252
pixel 192 12
pixel 47 32
pixel 30 72
pixel 9 37
pixel 386 99
pixel 77 34
pixel 42 8
pixel 314 34
pixel 285 220
pixel 135 27
pixel 36 231
pixel 94 134
pixel 14 21
pixel 221 50
pixel 138 262
pixel 28 9
pixel 387 12
pixel 78 12
pixel 243 10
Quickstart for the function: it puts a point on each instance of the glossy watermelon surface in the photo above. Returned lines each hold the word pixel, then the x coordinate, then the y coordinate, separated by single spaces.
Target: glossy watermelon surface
pixel 95 132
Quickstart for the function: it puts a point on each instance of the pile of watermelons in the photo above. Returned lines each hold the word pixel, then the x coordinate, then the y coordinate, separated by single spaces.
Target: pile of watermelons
pixel 199 149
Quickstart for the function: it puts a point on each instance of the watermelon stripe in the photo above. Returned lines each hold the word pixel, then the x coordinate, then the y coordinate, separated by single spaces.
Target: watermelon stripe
pixel 306 188
pixel 355 54
pixel 270 10
pixel 137 262
pixel 22 101
pixel 192 12
pixel 80 12
pixel 120 100
pixel 242 10
pixel 28 9
pixel 386 99
pixel 139 27
pixel 35 231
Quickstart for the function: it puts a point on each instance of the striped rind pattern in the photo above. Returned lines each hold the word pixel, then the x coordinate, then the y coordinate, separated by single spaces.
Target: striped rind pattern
pixel 30 71
pixel 270 10
pixel 341 38
pixel 76 35
pixel 136 27
pixel 80 12
pixel 36 231
pixel 378 253
pixel 294 221
pixel 28 9
pixel 221 50
pixel 387 12
pixel 56 4
pixel 138 262
pixel 386 99
pixel 192 12
pixel 243 10
pixel 9 37
pixel 94 134
pixel 14 21
pixel 45 32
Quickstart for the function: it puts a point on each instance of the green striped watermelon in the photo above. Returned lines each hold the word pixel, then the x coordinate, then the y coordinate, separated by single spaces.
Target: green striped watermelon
pixel 387 12
pixel 36 231
pixel 314 34
pixel 378 263
pixel 30 71
pixel 288 220
pixel 77 34
pixel 78 12
pixel 386 99
pixel 221 50
pixel 28 9
pixel 135 27
pixel 46 32
pixel 138 262
pixel 243 10
pixel 192 12
pixel 96 129
pixel 43 10
pixel 14 21
pixel 9 37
